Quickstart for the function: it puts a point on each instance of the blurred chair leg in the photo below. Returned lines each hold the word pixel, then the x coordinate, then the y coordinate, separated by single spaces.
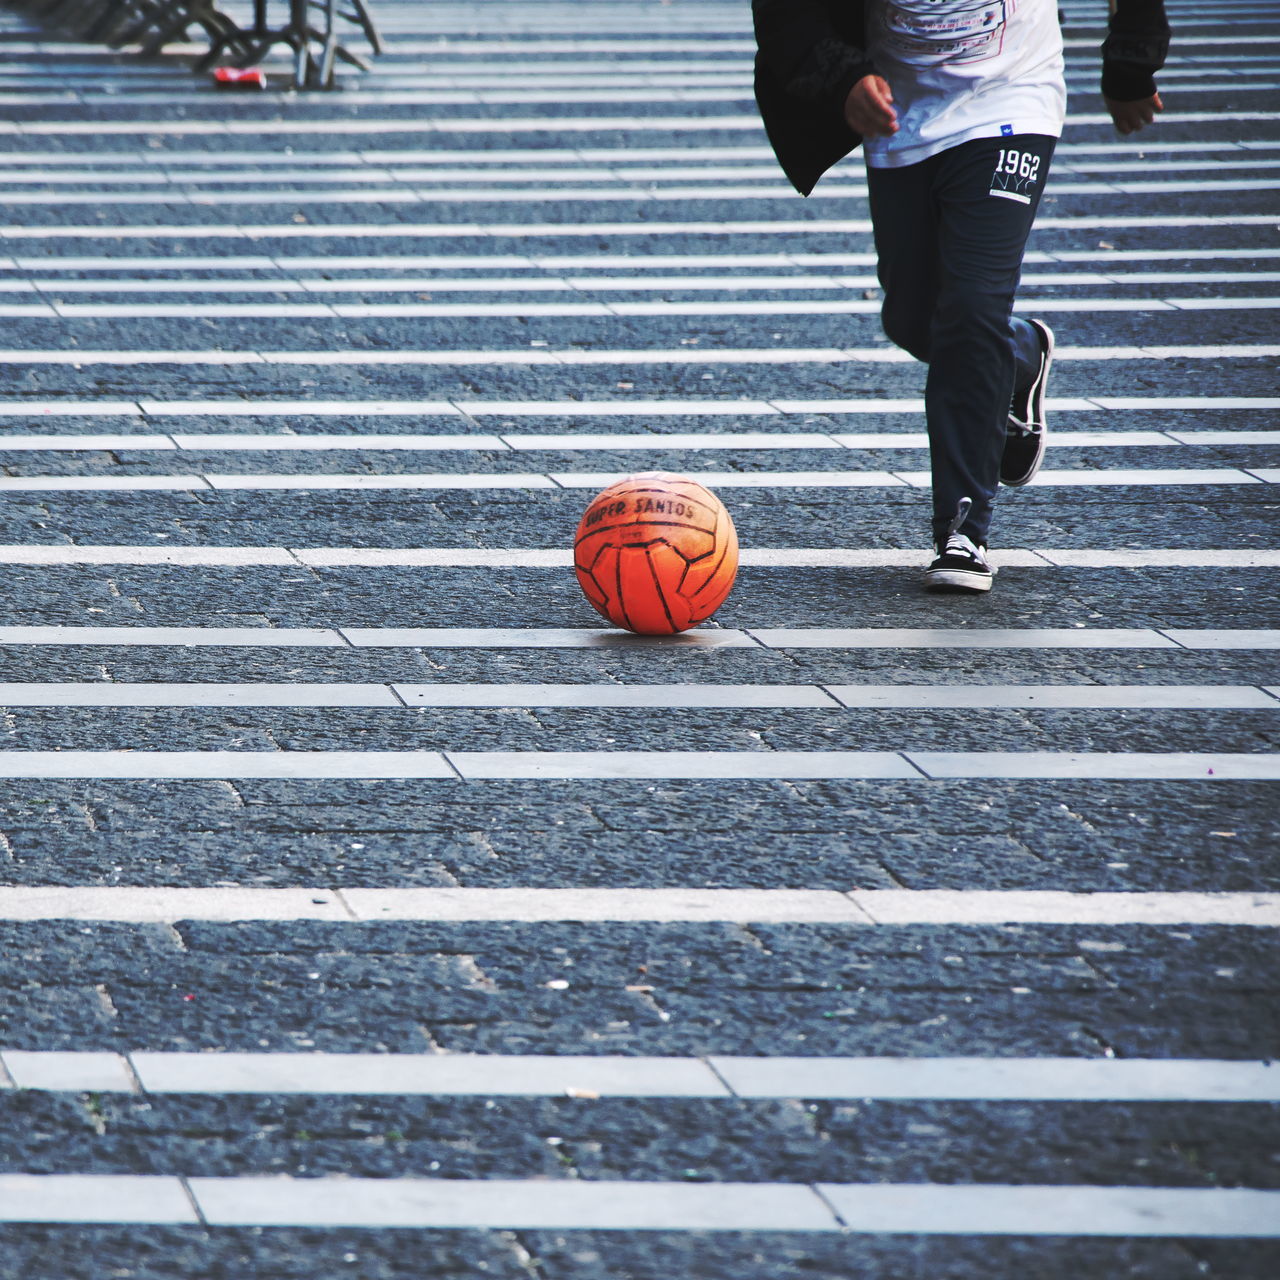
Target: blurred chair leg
pixel 362 16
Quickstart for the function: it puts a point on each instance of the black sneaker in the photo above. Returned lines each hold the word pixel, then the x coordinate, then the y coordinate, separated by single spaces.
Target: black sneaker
pixel 961 565
pixel 1026 430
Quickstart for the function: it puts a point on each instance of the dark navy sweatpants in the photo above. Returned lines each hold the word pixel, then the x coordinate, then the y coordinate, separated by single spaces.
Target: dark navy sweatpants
pixel 950 234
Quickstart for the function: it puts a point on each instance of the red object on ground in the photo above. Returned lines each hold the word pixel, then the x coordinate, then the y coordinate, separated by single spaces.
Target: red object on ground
pixel 656 553
pixel 239 78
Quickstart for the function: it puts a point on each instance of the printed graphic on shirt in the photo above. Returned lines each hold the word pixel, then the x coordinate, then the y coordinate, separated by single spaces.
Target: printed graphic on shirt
pixel 922 32
pixel 1015 175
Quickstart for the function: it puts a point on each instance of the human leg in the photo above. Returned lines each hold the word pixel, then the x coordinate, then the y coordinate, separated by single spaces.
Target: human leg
pixel 986 194
pixel 904 222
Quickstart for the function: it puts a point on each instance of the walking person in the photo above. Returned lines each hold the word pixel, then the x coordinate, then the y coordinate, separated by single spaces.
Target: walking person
pixel 958 105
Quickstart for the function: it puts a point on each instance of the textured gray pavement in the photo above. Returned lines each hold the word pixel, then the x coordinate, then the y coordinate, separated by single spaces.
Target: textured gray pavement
pixel 546 237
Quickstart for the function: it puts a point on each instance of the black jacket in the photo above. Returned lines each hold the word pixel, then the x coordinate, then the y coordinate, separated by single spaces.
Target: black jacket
pixel 810 53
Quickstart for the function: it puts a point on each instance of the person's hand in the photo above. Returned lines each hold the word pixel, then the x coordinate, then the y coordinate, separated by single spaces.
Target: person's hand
pixel 1129 117
pixel 868 110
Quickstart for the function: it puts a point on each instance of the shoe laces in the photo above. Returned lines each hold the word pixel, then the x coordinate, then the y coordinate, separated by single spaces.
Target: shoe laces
pixel 960 544
pixel 963 507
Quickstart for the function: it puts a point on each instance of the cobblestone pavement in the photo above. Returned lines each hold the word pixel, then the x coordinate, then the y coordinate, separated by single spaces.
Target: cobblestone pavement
pixel 368 911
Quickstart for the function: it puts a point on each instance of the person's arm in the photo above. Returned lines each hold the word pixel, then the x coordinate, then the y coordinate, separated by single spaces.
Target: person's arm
pixel 805 54
pixel 1136 46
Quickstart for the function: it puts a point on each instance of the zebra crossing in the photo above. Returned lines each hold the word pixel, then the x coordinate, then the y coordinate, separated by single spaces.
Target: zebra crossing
pixel 367 909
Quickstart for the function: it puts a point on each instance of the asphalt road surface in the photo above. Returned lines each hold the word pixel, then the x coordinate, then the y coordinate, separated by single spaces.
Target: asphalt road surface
pixel 370 911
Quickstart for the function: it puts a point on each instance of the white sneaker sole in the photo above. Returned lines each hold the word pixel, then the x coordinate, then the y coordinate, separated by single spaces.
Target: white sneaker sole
pixel 956 580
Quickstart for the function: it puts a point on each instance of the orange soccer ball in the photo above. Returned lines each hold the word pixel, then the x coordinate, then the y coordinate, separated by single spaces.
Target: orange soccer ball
pixel 656 553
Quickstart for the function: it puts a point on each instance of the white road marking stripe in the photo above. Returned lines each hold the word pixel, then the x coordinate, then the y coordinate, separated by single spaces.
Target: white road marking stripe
pixel 451 46
pixel 631 90
pixel 642 765
pixel 453 1074
pixel 69 408
pixel 444 29
pixel 398 695
pixel 637 406
pixel 716 1076
pixel 449 58
pixel 676 407
pixel 626 159
pixel 605 695
pixel 214 310
pixel 259 557
pixel 470 765
pixel 447 637
pixel 543 195
pixel 562 1204
pixel 308 443
pixel 583 262
pixel 1222 639
pixel 249 482
pixel 141 905
pixel 301 408
pixel 1088 478
pixel 469 558
pixel 438 480
pixel 1109 697
pixel 709 637
pixel 868 908
pixel 58 1072
pixel 77 443
pixel 1097 765
pixel 1017 906
pixel 1030 1079
pixel 445 480
pixel 114 1198
pixel 505 125
pixel 561 230
pixel 619 86
pixel 995 638
pixel 1056 1210
pixel 1135 558
pixel 577 285
pixel 595 356
pixel 572 1204
pixel 286 183
pixel 755 283
pixel 569 443
pixel 498 310
pixel 198 695
pixel 455 69
pixel 1127 404
pixel 272 637
pixel 277 175
pixel 1225 437
pixel 446 43
pixel 861 479
pixel 536 558
pixel 283 442
pixel 357 157
pixel 127 484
